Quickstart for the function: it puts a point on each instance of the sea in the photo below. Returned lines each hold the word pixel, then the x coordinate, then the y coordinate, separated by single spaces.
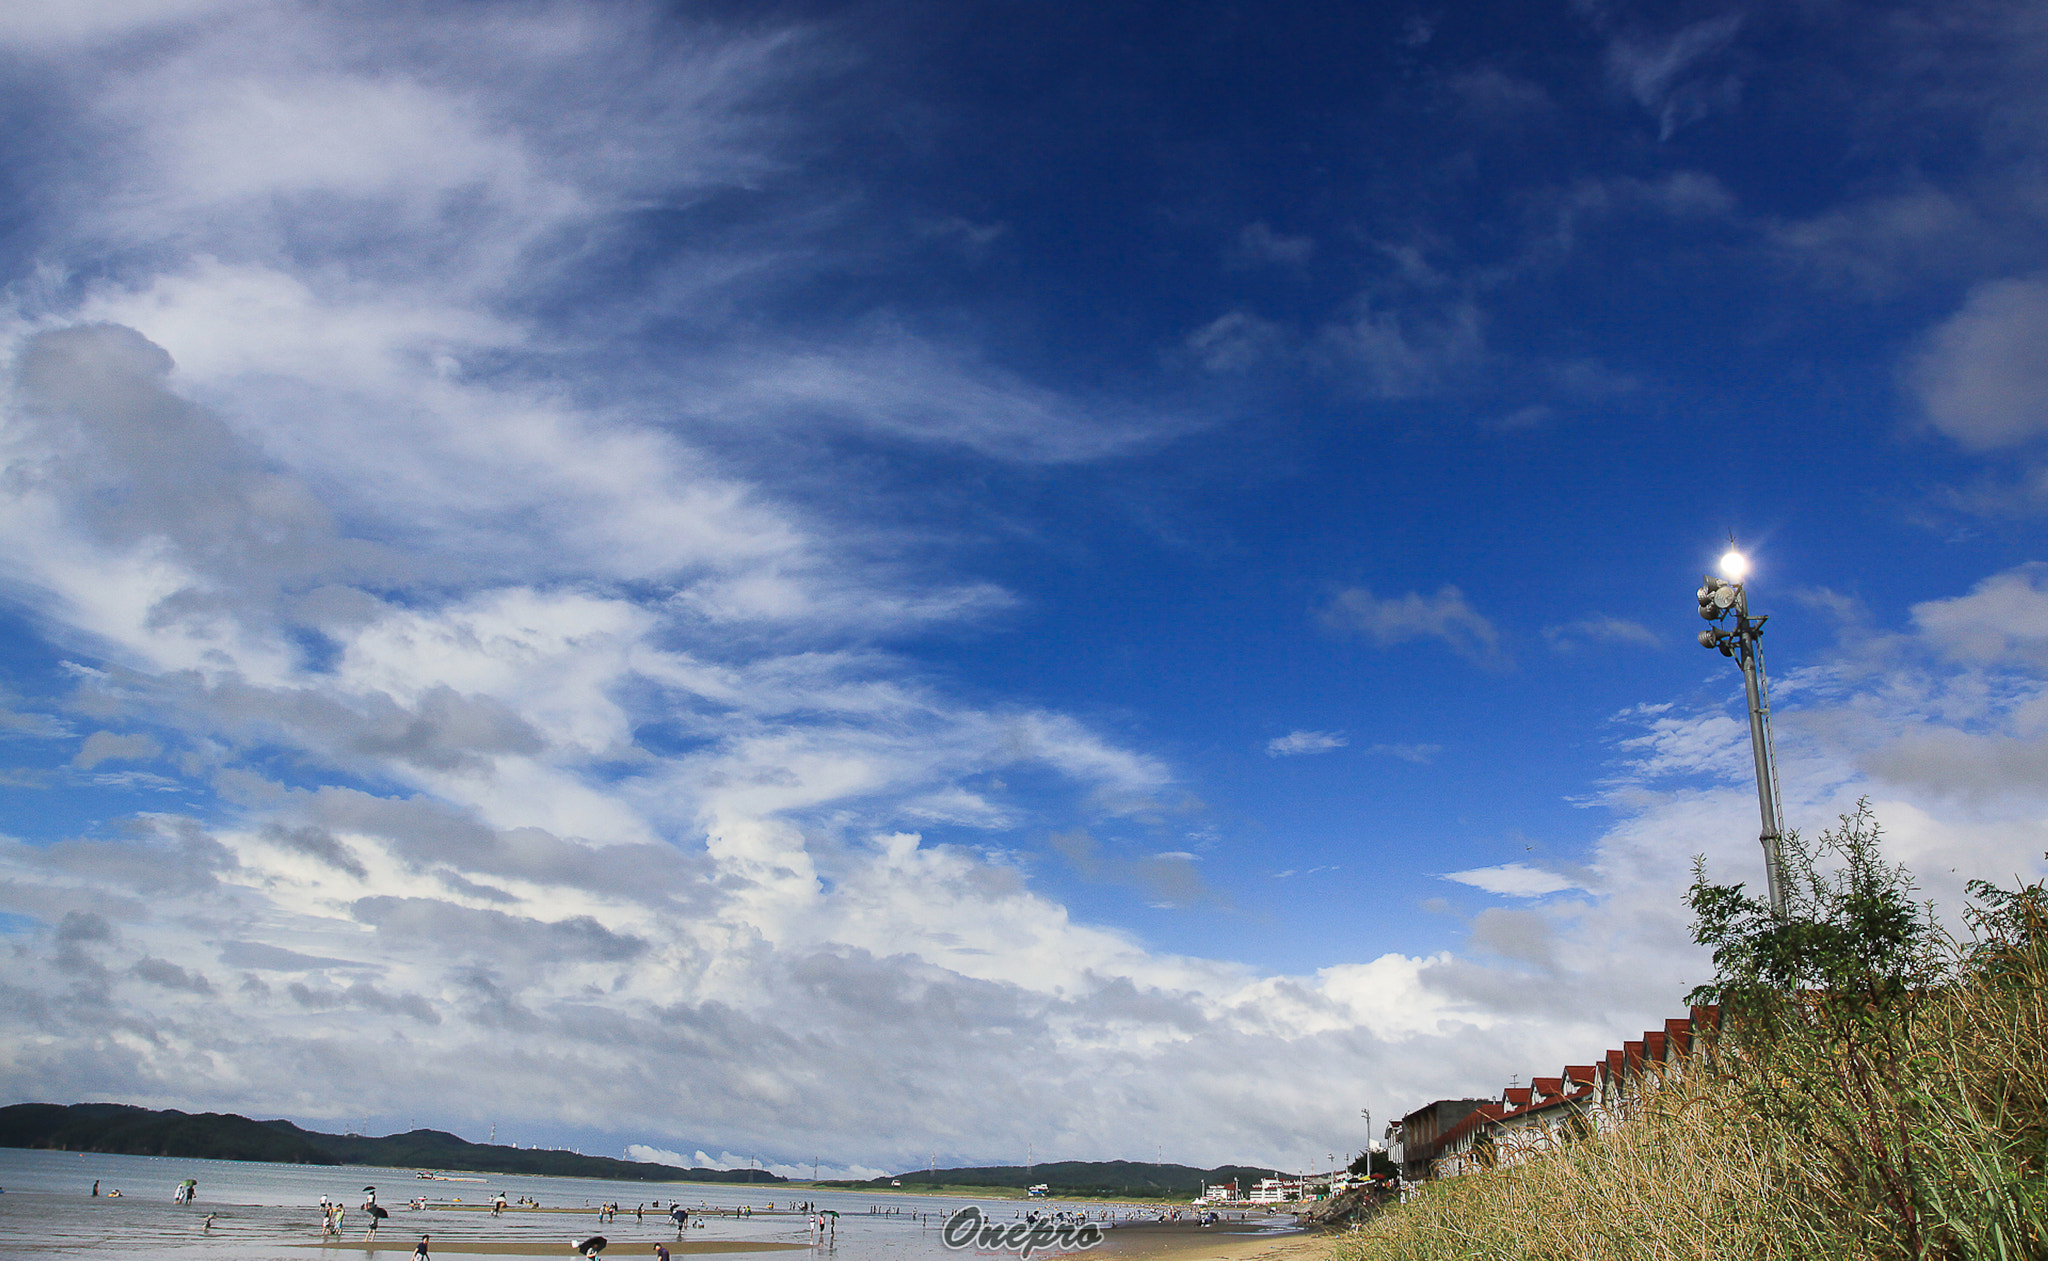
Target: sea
pixel 261 1210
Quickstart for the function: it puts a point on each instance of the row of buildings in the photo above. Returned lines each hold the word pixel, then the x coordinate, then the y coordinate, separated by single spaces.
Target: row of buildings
pixel 1456 1136
pixel 1282 1190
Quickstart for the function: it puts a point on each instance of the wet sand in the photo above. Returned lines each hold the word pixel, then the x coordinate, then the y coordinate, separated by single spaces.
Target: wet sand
pixel 555 1249
pixel 1142 1242
pixel 1189 1241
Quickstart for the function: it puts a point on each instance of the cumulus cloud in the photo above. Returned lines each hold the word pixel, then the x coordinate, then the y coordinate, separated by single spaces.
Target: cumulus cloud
pixel 727 1160
pixel 2003 619
pixel 1515 934
pixel 548 756
pixel 106 746
pixel 1514 880
pixel 1169 878
pixel 170 976
pixel 1295 743
pixel 1982 375
pixel 1446 616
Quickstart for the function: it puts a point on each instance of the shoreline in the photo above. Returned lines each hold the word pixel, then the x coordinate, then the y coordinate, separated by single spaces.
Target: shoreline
pixel 971 1191
pixel 553 1251
pixel 1185 1242
pixel 1164 1242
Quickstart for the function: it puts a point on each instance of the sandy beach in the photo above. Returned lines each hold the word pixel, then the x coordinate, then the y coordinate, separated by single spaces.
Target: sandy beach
pixel 1186 1241
pixel 555 1249
pixel 1139 1242
pixel 253 1211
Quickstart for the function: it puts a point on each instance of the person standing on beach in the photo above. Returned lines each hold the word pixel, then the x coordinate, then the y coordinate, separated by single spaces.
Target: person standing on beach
pixel 419 1250
pixel 95 1186
pixel 660 1253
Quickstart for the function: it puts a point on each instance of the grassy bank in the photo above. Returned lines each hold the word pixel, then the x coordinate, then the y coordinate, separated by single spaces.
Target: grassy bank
pixel 1902 1115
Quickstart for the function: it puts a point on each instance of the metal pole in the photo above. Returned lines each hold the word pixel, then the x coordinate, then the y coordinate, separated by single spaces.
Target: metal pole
pixel 1758 689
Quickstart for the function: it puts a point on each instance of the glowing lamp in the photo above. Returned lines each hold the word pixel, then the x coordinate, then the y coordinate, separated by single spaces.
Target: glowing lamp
pixel 1734 565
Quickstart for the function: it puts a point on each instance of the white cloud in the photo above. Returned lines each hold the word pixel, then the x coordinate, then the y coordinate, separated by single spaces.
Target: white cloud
pixel 1879 243
pixel 560 776
pixel 1295 743
pixel 1420 754
pixel 1600 629
pixel 106 746
pixel 1258 243
pixel 1982 376
pixel 2003 620
pixel 1445 616
pixel 44 28
pixel 1405 350
pixel 1666 72
pixel 727 1160
pixel 1236 341
pixel 1514 880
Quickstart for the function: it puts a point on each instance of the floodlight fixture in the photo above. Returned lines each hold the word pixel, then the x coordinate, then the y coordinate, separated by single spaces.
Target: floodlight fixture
pixel 1719 597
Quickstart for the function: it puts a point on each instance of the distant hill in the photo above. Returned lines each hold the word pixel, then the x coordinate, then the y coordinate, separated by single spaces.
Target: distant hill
pixel 1079 1177
pixel 119 1128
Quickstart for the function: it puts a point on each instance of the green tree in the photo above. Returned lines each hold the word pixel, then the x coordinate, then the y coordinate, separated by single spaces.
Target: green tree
pixel 1852 929
pixel 2010 927
pixel 1369 1164
pixel 1820 1002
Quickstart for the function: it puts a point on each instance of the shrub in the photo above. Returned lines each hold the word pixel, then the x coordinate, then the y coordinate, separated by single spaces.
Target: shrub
pixel 1877 1090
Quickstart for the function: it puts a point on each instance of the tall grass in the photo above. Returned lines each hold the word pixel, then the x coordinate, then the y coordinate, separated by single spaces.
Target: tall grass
pixel 1819 1125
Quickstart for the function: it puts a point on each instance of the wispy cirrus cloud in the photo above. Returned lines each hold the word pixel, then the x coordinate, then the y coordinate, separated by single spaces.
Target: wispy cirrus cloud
pixel 1419 754
pixel 1600 629
pixel 1296 743
pixel 1669 73
pixel 1445 616
pixel 462 440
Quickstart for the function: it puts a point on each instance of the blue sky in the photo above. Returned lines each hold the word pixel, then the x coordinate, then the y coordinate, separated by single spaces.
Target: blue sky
pixel 867 580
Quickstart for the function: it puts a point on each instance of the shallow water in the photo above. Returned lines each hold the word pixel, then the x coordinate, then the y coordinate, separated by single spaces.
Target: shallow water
pixel 267 1210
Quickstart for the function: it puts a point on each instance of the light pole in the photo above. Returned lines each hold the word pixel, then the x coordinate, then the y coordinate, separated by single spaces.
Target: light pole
pixel 1718 598
pixel 1367 1114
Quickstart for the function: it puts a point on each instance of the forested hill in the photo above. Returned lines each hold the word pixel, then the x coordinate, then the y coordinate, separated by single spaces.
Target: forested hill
pixel 119 1128
pixel 1081 1177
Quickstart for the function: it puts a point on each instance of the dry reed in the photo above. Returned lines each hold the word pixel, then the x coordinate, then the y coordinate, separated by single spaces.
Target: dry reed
pixel 1913 1129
